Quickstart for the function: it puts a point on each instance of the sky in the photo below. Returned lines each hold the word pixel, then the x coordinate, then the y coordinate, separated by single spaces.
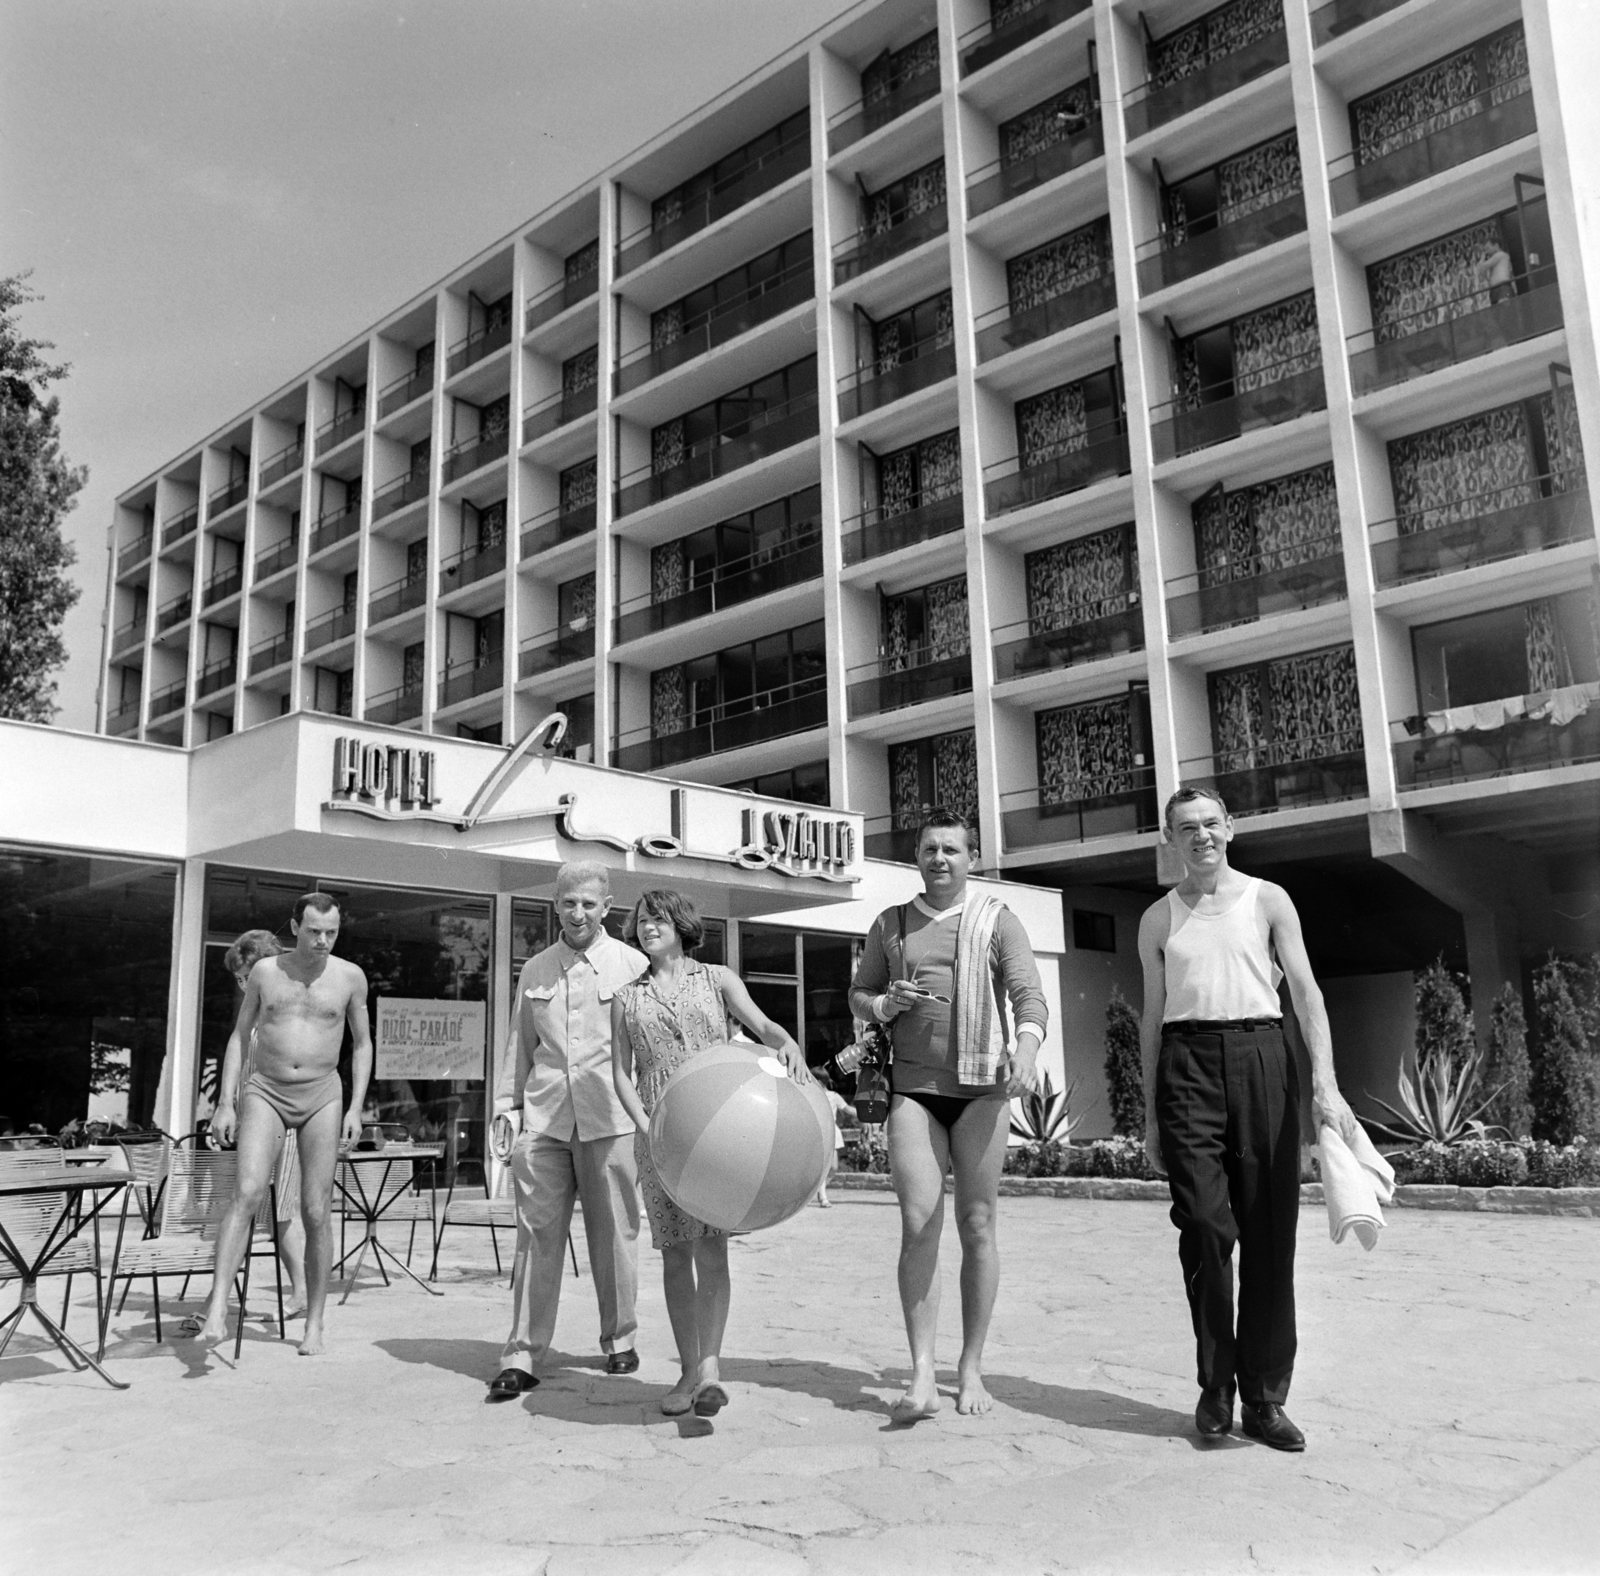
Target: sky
pixel 213 194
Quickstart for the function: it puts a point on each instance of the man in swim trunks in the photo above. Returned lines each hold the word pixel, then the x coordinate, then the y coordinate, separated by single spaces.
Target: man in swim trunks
pixel 298 1004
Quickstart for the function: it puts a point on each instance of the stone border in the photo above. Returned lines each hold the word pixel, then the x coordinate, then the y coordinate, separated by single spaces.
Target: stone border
pixel 1581 1201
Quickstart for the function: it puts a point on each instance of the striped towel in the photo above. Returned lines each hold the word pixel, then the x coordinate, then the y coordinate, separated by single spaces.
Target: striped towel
pixel 980 1035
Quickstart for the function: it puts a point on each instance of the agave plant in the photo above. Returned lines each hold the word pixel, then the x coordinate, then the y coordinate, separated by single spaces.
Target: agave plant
pixel 1046 1117
pixel 1443 1105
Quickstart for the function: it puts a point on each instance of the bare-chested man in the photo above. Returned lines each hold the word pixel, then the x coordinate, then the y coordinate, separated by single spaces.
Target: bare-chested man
pixel 298 1004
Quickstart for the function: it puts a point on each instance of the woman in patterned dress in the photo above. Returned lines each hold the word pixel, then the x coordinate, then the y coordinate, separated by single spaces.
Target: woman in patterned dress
pixel 668 1016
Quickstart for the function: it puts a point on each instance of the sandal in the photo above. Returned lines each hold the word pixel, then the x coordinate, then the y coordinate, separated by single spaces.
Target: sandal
pixel 191 1324
pixel 709 1399
pixel 676 1404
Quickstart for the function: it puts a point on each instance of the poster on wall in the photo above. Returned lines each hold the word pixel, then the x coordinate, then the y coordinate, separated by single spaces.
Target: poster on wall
pixel 430 1039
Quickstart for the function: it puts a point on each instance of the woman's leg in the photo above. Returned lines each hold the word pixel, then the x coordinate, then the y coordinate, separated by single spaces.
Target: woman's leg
pixel 713 1292
pixel 919 1150
pixel 978 1150
pixel 292 1250
pixel 677 1278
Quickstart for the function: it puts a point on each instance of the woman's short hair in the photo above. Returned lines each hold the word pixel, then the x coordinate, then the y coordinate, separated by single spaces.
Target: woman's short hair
pixel 1187 795
pixel 940 819
pixel 249 950
pixel 671 908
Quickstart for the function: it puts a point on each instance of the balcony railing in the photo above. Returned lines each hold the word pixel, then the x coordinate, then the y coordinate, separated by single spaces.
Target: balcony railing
pixel 882 839
pixel 1009 485
pixel 284 463
pixel 728 320
pixel 221 586
pixel 124 720
pixel 166 701
pixel 1109 628
pixel 269 654
pixel 1284 774
pixel 872 533
pixel 753 719
pixel 399 596
pixel 1273 586
pixel 1332 21
pixel 860 253
pixel 180 526
pixel 761 175
pixel 1177 429
pixel 396 705
pixel 1004 329
pixel 471 565
pixel 1000 182
pixel 1208 243
pixel 551 415
pixel 336 525
pixel 396 495
pixel 1430 345
pixel 739 580
pixel 1485 528
pixel 467 680
pixel 340 624
pixel 345 425
pixel 216 677
pixel 1504 114
pixel 918 366
pixel 551 303
pixel 473 453
pixel 555 649
pixel 769 432
pixel 397 395
pixel 555 526
pixel 893 683
pixel 225 498
pixel 127 636
pixel 478 344
pixel 1147 107
pixel 860 119
pixel 985 43
pixel 1115 806
pixel 282 556
pixel 1536 733
pixel 170 614
pixel 135 552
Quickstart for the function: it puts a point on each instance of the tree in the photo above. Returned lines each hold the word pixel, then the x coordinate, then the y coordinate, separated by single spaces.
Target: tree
pixel 1509 1072
pixel 37 489
pixel 1124 1066
pixel 1444 1026
pixel 1565 1064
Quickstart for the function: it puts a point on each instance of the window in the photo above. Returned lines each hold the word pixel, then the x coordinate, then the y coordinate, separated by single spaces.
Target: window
pixel 801 980
pixel 1092 932
pixel 800 784
pixel 746 678
pixel 730 169
pixel 790 260
pixel 734 415
pixel 774 530
pixel 1523 650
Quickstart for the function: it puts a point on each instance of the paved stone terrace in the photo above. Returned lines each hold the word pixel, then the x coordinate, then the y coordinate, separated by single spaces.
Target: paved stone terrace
pixel 1449 1384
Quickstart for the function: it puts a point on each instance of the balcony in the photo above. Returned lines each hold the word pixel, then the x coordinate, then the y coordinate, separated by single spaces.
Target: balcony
pixel 399 596
pixel 1004 329
pixel 277 558
pixel 1531 733
pixel 476 676
pixel 397 395
pixel 551 303
pixel 739 580
pixel 166 701
pixel 123 721
pixel 893 683
pixel 1120 805
pixel 284 463
pixel 134 553
pixel 396 495
pixel 1219 418
pixel 753 719
pixel 1423 345
pixel 170 614
pixel 472 453
pixel 1505 114
pixel 860 253
pixel 1271 586
pixel 727 321
pixel 872 533
pixel 1210 242
pixel 551 415
pixel 1000 182
pixel 471 565
pixel 917 366
pixel 127 637
pixel 225 498
pixel 180 526
pixel 1334 20
pixel 982 45
pixel 1284 774
pixel 1486 528
pixel 482 342
pixel 269 654
pixel 1009 485
pixel 340 624
pixel 861 119
pixel 345 425
pixel 395 706
pixel 336 525
pixel 761 175
pixel 216 677
pixel 221 586
pixel 554 526
pixel 1147 107
pixel 882 839
pixel 777 428
pixel 555 649
pixel 1109 628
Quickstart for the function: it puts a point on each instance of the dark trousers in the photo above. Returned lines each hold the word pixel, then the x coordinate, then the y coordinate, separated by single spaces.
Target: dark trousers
pixel 1227 1110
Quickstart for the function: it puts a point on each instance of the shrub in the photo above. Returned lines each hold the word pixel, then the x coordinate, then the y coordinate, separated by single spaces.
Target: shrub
pixel 1480 1162
pixel 1444 1026
pixel 1122 1157
pixel 1509 1072
pixel 1562 1165
pixel 867 1151
pixel 1562 1087
pixel 1046 1117
pixel 1124 1067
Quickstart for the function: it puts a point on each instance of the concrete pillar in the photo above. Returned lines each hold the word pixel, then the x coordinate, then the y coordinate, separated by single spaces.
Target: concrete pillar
pixel 175 1094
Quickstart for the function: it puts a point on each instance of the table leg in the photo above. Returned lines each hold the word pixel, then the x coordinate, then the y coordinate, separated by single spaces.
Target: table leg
pixel 14 1318
pixel 360 1253
pixel 70 1348
pixel 380 1248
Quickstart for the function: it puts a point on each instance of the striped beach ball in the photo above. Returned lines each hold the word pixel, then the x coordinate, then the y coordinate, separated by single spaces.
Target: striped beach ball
pixel 736 1142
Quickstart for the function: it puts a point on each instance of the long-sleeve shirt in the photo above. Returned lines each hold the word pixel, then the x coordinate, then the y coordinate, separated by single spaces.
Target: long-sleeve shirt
pixel 559 1061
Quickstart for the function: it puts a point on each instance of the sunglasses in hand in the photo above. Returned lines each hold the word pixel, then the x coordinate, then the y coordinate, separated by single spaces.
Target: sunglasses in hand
pixel 922 993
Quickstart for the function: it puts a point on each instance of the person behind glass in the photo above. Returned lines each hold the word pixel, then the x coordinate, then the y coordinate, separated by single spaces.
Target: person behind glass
pixel 675 1010
pixel 1502 279
pixel 575 1134
pixel 1223 1110
pixel 942 969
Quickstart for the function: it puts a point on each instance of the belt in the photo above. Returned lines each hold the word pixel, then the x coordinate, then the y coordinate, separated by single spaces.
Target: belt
pixel 1222 1025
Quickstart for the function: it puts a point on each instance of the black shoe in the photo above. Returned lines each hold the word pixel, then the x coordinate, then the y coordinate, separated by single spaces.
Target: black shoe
pixel 509 1383
pixel 1213 1416
pixel 622 1363
pixel 1270 1424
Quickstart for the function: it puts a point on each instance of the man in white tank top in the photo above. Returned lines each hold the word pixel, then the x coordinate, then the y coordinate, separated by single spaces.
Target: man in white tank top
pixel 1222 1102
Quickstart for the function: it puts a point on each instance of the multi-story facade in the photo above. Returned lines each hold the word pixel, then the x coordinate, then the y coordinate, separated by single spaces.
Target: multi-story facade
pixel 1026 409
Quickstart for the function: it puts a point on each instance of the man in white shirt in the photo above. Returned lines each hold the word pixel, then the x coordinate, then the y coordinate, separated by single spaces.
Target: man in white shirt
pixel 576 1140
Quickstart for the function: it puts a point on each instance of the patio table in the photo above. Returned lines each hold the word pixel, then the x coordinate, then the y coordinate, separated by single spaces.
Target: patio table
pixel 372 1203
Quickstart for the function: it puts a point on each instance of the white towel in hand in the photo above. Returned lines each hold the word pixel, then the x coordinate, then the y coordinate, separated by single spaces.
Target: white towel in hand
pixel 1356 1179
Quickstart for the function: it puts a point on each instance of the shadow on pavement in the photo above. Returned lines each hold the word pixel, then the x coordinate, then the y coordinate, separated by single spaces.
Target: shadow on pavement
pixel 1099 1409
pixel 478 1360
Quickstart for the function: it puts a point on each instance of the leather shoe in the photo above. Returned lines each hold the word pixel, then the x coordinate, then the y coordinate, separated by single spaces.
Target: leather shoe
pixel 509 1383
pixel 622 1363
pixel 1213 1416
pixel 1270 1424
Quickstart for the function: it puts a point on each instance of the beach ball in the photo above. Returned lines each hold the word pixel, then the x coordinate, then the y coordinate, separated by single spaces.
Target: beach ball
pixel 736 1142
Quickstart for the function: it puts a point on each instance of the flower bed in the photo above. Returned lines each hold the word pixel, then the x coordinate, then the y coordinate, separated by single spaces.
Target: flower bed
pixel 1492 1162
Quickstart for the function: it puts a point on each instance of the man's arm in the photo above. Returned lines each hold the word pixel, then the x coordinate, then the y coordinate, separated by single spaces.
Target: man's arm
pixel 360 1055
pixel 518 1061
pixel 1152 940
pixel 1029 1009
pixel 224 1119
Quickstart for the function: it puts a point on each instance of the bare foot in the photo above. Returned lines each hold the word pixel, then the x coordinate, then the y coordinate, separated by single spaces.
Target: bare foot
pixel 971 1397
pixel 213 1332
pixel 920 1400
pixel 311 1346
